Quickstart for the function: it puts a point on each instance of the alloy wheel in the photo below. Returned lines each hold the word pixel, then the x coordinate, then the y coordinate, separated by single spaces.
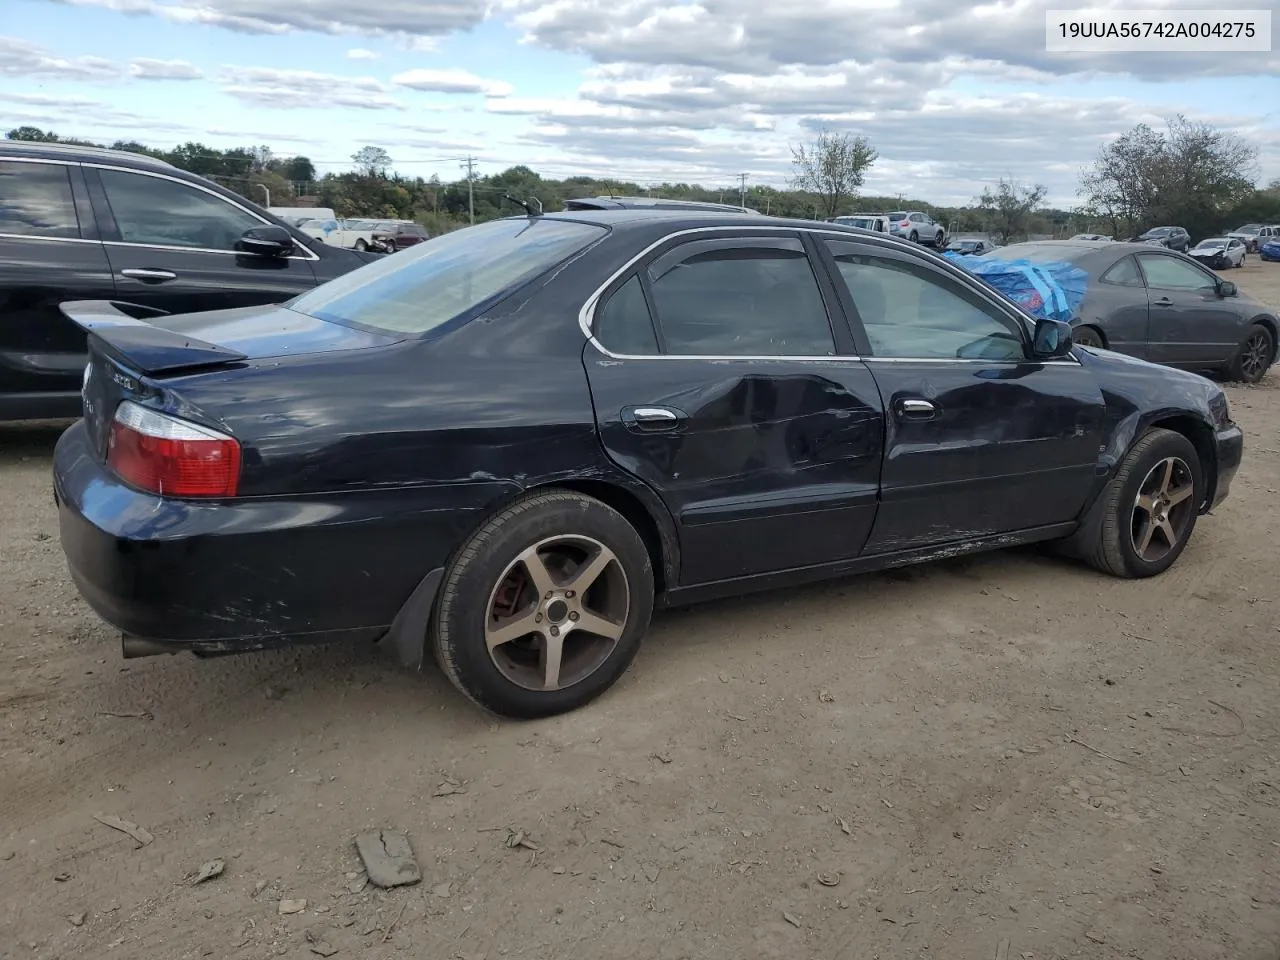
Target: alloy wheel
pixel 1255 356
pixel 1162 509
pixel 557 612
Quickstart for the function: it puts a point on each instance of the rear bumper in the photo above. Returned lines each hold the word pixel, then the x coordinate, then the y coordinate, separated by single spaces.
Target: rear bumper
pixel 255 573
pixel 1229 448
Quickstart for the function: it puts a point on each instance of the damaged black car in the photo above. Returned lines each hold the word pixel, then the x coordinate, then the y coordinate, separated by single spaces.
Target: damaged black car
pixel 505 447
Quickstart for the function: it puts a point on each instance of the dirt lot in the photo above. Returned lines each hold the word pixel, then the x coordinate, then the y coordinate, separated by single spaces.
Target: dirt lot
pixel 1006 756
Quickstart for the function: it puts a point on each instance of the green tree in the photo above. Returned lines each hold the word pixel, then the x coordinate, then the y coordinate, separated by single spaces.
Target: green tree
pixel 371 161
pixel 833 166
pixel 1009 207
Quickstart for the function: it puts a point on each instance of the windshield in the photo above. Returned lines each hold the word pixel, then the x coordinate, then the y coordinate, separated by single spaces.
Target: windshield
pixel 415 291
pixel 1158 232
pixel 1213 243
pixel 1250 228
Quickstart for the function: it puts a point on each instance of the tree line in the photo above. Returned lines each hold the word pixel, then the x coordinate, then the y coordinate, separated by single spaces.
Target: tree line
pixel 1191 175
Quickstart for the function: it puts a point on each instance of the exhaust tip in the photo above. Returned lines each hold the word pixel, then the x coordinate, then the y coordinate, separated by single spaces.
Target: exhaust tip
pixel 134 647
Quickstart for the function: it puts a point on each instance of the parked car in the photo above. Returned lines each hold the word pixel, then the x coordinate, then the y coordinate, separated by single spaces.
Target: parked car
pixel 1162 306
pixel 1254 235
pixel 390 236
pixel 1270 250
pixel 83 222
pixel 1175 238
pixel 1220 253
pixel 971 246
pixel 546 426
pixel 354 234
pixel 864 221
pixel 652 203
pixel 918 228
pixel 297 216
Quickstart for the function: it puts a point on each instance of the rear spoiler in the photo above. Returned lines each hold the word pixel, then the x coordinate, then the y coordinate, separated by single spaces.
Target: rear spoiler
pixel 146 348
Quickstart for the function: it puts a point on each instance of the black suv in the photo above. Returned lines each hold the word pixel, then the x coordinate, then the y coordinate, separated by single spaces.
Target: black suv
pixel 83 223
pixel 1175 238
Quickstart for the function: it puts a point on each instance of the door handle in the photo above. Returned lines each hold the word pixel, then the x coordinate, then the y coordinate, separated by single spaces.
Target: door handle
pixel 149 274
pixel 916 409
pixel 652 419
pixel 1164 302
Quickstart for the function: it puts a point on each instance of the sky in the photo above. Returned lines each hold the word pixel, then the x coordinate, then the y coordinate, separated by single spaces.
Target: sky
pixel 954 95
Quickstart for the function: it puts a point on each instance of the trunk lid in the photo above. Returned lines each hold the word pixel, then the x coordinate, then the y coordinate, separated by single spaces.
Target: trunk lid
pixel 129 354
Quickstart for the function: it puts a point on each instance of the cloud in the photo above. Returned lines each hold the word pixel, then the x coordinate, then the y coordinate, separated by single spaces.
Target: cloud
pixel 359 53
pixel 340 17
pixel 20 58
pixel 731 36
pixel 147 69
pixel 451 80
pixel 293 89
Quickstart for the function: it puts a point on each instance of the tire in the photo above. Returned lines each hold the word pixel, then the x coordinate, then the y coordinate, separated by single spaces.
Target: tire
pixel 939 241
pixel 390 246
pixel 915 237
pixel 1254 355
pixel 1087 337
pixel 1122 531
pixel 361 245
pixel 544 537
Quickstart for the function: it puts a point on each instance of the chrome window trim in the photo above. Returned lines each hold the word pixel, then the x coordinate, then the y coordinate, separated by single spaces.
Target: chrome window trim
pixel 586 315
pixel 62 163
pixel 310 255
pixel 28 236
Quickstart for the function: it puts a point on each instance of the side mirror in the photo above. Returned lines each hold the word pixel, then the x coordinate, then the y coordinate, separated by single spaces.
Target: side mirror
pixel 1052 339
pixel 1226 288
pixel 266 241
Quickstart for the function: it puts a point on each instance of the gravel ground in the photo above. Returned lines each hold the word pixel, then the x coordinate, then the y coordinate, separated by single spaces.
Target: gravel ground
pixel 1004 756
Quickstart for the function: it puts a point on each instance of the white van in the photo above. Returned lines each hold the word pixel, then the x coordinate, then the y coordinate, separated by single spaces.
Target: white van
pixel 866 221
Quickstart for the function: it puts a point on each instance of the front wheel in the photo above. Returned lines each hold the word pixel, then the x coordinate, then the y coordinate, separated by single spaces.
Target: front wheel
pixel 915 237
pixel 1149 507
pixel 390 246
pixel 361 245
pixel 545 606
pixel 1253 358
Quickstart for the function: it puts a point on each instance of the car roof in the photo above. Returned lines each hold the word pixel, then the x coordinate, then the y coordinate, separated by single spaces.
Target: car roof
pixel 647 203
pixel 76 153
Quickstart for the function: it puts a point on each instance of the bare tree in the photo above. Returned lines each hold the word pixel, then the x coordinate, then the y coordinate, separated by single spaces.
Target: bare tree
pixel 1186 176
pixel 832 165
pixel 1009 207
pixel 371 161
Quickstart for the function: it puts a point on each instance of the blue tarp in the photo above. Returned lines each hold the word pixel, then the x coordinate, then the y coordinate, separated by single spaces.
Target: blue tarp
pixel 1052 291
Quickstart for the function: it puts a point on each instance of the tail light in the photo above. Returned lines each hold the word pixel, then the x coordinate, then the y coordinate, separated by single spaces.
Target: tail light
pixel 174 458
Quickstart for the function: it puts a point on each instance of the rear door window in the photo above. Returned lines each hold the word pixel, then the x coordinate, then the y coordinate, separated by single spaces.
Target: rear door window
pixel 740 298
pixel 36 201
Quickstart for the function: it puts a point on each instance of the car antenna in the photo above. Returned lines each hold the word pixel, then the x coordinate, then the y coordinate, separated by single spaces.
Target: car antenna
pixel 526 204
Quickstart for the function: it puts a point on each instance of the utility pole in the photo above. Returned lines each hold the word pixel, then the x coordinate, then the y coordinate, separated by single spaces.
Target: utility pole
pixel 266 191
pixel 742 192
pixel 469 166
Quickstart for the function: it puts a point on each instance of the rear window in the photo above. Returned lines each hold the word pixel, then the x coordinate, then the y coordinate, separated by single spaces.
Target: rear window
pixel 901 215
pixel 413 229
pixel 429 284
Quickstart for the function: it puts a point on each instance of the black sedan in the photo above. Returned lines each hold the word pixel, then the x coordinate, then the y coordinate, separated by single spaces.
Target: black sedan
pixel 1162 306
pixel 504 447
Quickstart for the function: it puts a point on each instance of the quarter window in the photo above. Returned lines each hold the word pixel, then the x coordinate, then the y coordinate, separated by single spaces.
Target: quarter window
pixel 162 212
pixel 1125 273
pixel 1171 274
pixel 910 311
pixel 623 324
pixel 749 300
pixel 35 201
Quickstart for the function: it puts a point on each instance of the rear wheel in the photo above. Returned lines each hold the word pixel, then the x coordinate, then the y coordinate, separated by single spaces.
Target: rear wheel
pixel 361 245
pixel 915 237
pixel 1149 507
pixel 1254 356
pixel 545 606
